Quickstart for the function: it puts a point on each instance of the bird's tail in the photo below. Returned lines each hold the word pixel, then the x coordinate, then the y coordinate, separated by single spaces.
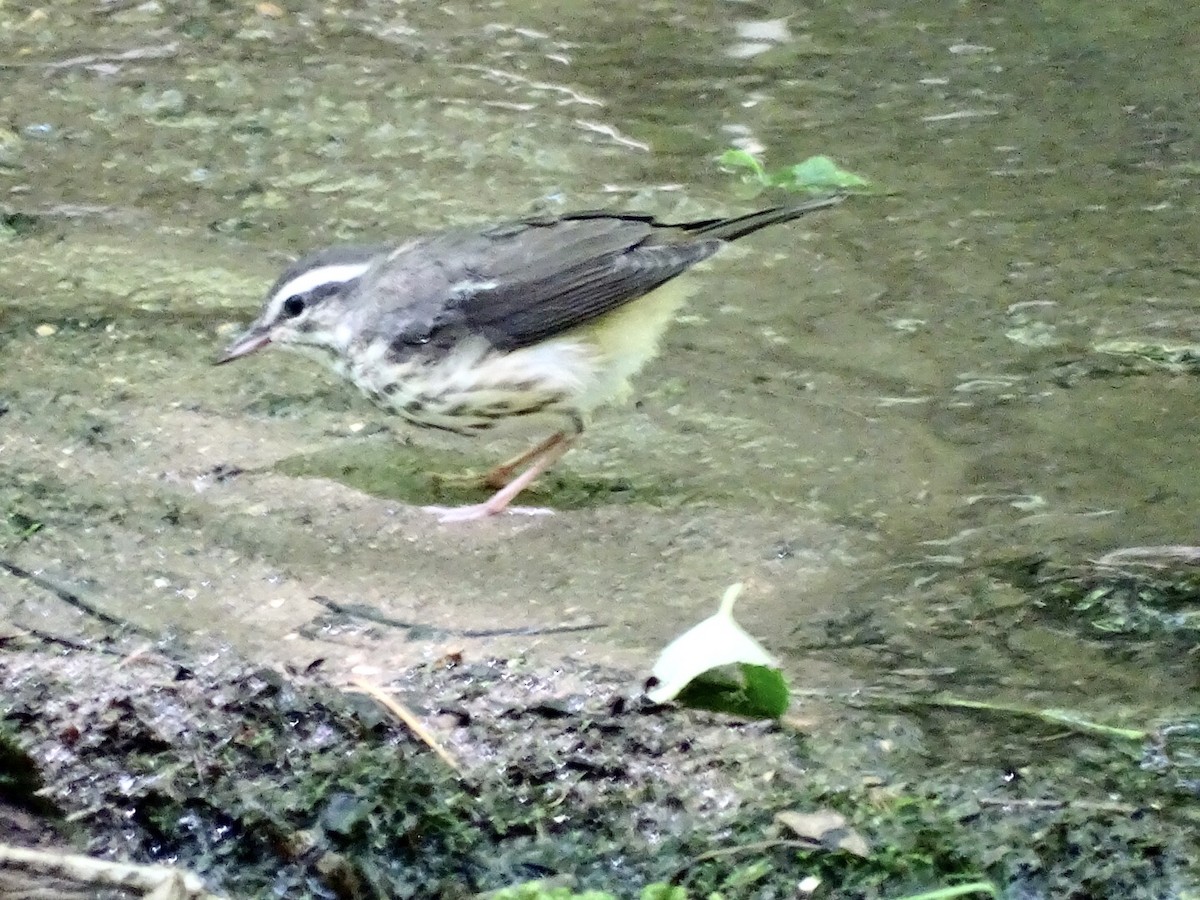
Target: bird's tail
pixel 740 226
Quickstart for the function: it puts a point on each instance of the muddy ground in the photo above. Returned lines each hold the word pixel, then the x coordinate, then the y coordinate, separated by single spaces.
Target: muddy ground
pixel 270 783
pixel 898 423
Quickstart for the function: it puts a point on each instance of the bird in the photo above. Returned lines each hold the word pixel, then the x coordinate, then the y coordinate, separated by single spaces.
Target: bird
pixel 463 329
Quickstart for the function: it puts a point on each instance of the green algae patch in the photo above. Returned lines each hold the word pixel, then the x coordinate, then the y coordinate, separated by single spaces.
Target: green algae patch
pixel 420 475
pixel 1139 592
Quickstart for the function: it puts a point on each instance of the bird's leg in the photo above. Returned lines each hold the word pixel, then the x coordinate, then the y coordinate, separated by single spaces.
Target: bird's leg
pixel 502 474
pixel 541 458
pixel 551 452
pixel 499 476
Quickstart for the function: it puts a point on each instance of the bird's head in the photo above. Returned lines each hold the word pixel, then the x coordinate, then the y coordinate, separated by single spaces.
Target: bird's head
pixel 306 305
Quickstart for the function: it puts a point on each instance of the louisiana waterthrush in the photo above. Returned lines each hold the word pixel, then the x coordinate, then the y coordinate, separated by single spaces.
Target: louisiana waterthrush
pixel 462 329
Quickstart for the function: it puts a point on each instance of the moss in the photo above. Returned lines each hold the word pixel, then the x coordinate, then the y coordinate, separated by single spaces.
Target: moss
pixel 421 476
pixel 271 785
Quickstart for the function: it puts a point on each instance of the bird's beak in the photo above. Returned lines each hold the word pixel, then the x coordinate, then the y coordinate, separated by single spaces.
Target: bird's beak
pixel 251 340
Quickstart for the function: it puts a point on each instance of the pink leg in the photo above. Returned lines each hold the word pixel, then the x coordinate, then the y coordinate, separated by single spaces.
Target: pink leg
pixel 503 473
pixel 550 452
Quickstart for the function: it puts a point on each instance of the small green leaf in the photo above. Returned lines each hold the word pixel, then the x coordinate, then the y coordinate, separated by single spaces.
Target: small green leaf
pixel 818 173
pixel 721 690
pixel 958 890
pixel 661 891
pixel 741 159
pixel 814 175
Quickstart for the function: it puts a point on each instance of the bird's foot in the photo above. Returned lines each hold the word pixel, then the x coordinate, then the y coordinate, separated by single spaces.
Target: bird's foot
pixel 450 514
pixel 543 456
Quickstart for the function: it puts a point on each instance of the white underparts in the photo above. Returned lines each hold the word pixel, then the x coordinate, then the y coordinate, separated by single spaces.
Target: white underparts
pixel 474 386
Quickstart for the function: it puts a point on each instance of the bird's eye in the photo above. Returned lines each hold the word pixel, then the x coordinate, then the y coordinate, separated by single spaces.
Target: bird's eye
pixel 293 306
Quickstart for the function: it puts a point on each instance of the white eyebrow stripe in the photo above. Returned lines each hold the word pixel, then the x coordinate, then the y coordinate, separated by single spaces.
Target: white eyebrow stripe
pixel 338 273
pixel 334 272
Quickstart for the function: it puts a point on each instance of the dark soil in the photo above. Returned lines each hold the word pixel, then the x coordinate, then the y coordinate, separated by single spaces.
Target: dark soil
pixel 273 784
pixel 279 785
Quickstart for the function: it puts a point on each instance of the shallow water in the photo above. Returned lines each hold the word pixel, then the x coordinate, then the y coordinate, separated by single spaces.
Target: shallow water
pixel 858 415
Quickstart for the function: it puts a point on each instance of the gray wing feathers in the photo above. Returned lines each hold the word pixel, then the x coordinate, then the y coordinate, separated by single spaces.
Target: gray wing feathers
pixel 523 282
pixel 740 226
pixel 517 314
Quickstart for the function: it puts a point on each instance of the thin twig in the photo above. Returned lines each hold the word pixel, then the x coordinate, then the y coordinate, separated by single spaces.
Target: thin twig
pixel 408 718
pixel 372 615
pixel 1051 804
pixel 754 847
pixel 135 54
pixel 1069 719
pixel 70 598
pixel 135 655
pixel 1152 556
pixel 70 643
pixel 102 872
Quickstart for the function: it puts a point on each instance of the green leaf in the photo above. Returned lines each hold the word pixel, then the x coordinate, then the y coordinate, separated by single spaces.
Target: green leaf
pixel 959 890
pixel 661 891
pixel 759 693
pixel 716 665
pixel 814 175
pixel 818 173
pixel 767 690
pixel 741 159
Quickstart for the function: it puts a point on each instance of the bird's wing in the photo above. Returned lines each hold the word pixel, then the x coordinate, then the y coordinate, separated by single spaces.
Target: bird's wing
pixel 520 283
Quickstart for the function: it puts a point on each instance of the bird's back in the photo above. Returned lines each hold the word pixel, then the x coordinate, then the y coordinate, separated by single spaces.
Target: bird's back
pixel 461 328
